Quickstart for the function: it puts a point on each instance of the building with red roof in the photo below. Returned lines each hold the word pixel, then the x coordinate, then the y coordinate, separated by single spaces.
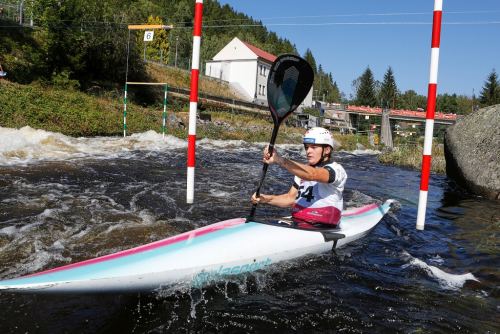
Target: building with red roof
pixel 246 68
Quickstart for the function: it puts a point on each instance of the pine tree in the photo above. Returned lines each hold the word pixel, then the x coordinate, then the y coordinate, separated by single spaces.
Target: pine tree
pixel 336 93
pixel 308 56
pixel 288 47
pixel 490 94
pixel 388 87
pixel 366 92
pixel 320 83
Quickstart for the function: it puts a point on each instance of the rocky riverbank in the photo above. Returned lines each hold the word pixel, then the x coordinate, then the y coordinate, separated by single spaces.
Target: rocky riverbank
pixel 472 147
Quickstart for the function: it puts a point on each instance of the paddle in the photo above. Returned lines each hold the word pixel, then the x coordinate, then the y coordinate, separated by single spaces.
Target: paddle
pixel 290 80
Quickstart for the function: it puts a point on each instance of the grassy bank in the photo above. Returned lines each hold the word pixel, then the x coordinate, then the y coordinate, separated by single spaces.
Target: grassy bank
pixel 349 141
pixel 411 156
pixel 69 111
pixel 76 114
pixel 182 78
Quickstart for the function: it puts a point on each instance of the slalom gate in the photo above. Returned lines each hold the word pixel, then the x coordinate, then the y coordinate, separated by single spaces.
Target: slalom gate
pixel 148 36
pixel 125 104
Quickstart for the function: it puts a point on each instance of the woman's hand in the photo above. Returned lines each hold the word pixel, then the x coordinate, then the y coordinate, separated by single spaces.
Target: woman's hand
pixel 274 158
pixel 262 199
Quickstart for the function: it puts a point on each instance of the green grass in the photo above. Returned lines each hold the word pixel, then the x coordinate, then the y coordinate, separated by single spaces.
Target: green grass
pixel 349 141
pixel 74 113
pixel 70 112
pixel 411 156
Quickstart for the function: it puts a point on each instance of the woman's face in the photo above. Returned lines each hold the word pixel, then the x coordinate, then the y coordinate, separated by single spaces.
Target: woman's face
pixel 314 152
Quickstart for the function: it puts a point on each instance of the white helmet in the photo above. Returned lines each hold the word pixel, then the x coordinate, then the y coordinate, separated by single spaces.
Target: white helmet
pixel 320 136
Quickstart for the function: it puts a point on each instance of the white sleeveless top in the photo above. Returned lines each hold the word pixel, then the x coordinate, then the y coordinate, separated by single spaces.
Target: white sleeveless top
pixel 320 202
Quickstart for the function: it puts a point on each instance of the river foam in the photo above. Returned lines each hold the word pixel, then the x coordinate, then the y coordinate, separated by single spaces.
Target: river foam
pixel 27 145
pixel 446 280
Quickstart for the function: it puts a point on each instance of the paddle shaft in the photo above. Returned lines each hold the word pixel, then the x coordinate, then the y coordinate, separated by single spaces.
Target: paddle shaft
pixel 264 168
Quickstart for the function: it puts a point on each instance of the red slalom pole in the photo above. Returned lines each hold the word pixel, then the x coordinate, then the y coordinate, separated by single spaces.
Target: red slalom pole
pixel 193 100
pixel 431 108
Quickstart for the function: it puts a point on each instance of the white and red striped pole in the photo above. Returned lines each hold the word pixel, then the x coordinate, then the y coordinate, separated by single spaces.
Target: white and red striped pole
pixel 193 100
pixel 431 107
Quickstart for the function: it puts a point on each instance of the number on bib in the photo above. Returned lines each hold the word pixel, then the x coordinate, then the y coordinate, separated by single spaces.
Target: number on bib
pixel 307 194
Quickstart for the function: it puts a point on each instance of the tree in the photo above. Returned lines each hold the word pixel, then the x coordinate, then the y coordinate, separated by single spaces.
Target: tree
pixel 366 92
pixel 409 100
pixel 388 87
pixel 446 103
pixel 308 56
pixel 464 105
pixel 288 47
pixel 377 87
pixel 62 48
pixel 490 94
pixel 355 88
pixel 335 96
pixel 323 87
pixel 160 41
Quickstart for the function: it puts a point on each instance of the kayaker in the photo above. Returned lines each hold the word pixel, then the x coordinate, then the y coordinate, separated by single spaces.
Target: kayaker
pixel 316 194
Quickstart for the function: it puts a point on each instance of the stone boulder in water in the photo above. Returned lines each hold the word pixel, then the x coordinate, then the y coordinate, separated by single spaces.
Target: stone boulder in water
pixel 472 152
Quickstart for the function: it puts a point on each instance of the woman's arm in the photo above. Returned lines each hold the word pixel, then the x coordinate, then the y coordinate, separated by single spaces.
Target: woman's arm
pixel 277 200
pixel 304 172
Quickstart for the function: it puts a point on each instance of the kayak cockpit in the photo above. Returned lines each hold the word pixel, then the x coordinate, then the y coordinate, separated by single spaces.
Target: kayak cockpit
pixel 330 233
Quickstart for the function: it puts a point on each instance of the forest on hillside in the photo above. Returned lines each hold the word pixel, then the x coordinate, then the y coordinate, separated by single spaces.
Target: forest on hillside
pixel 87 40
pixel 83 43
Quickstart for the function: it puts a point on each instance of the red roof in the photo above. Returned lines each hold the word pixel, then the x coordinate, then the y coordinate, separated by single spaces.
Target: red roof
pixel 261 53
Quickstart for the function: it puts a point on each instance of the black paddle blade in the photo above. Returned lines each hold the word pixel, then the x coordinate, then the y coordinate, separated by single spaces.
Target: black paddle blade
pixel 290 80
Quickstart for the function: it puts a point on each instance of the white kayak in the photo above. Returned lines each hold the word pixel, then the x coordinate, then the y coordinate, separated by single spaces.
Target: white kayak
pixel 229 247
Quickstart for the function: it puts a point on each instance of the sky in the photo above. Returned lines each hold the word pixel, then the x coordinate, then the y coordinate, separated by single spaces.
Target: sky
pixel 346 37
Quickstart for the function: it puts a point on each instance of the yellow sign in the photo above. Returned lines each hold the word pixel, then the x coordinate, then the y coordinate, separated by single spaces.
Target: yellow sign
pixel 148 26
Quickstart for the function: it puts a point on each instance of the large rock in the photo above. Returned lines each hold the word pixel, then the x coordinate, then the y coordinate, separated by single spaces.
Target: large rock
pixel 472 152
pixel 174 122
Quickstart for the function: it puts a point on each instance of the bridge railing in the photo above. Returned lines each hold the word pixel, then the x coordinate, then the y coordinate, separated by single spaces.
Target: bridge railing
pixel 402 112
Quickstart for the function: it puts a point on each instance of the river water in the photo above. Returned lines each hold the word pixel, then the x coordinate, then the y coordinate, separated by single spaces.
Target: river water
pixel 64 200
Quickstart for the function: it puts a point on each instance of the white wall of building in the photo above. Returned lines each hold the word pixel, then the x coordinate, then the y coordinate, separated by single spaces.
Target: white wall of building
pixel 243 72
pixel 307 101
pixel 225 67
pixel 212 69
pixel 235 50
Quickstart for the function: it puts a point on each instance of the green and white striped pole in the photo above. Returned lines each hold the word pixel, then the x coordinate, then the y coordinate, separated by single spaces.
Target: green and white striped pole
pixel 125 114
pixel 164 110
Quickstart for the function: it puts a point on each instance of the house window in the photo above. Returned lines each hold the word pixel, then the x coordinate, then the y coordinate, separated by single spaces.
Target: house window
pixel 263 70
pixel 260 89
pixel 263 90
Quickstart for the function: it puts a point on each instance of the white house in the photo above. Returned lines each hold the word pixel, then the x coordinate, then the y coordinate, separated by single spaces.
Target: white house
pixel 246 68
